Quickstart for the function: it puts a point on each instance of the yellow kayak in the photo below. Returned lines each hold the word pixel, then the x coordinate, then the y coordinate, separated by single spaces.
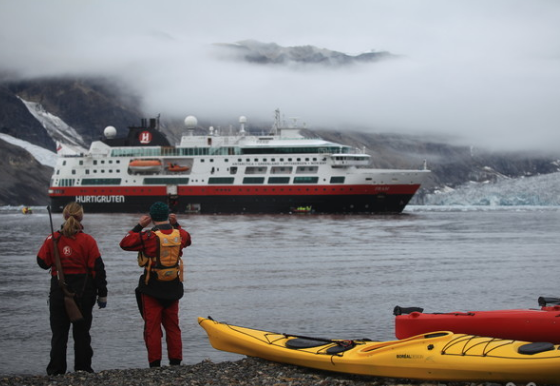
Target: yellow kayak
pixel 439 355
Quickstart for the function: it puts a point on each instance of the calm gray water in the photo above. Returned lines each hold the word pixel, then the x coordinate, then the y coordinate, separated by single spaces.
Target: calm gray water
pixel 329 276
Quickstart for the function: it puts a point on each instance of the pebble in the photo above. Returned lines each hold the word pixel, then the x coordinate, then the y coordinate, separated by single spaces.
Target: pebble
pixel 245 372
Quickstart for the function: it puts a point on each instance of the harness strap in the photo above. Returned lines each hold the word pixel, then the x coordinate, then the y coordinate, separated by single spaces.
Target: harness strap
pixel 148 270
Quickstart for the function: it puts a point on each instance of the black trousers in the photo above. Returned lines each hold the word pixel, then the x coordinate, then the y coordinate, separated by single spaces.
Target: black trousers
pixel 60 327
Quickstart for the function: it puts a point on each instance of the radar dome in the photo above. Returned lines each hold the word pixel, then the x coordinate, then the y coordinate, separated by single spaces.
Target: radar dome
pixel 110 132
pixel 191 122
pixel 242 119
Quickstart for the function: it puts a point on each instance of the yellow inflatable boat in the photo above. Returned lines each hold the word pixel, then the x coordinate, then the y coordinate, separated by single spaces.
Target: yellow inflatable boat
pixel 439 355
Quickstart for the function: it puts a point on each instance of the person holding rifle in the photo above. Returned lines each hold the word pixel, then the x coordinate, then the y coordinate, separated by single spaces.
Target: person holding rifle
pixel 78 278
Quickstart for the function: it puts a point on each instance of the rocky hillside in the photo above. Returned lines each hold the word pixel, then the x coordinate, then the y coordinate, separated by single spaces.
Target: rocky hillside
pixel 89 105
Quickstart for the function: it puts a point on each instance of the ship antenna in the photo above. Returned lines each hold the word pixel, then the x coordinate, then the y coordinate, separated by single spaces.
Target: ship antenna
pixel 277 122
pixel 242 121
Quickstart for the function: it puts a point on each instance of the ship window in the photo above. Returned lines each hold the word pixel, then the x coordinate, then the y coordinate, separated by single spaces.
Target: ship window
pixel 73 171
pixel 253 180
pixel 220 180
pixel 239 160
pixel 281 170
pixel 95 162
pixel 81 162
pixel 87 171
pixel 233 170
pixel 306 180
pixel 64 163
pixel 101 181
pixel 307 169
pixel 337 180
pixel 66 182
pixel 255 170
pixel 211 159
pixel 165 181
pixel 279 180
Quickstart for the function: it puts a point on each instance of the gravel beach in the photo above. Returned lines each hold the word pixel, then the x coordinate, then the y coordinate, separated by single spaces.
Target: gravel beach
pixel 248 371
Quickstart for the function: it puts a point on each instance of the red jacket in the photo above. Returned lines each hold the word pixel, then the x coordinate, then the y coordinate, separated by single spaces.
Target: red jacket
pixel 79 255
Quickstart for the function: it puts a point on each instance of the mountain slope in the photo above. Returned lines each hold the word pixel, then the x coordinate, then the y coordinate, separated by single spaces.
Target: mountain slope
pixel 77 111
pixel 25 181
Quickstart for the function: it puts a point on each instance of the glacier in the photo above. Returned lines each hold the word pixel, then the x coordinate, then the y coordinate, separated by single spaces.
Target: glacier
pixel 42 155
pixel 57 129
pixel 543 190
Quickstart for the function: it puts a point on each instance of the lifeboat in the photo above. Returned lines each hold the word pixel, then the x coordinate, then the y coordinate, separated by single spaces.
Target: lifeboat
pixel 176 168
pixel 143 166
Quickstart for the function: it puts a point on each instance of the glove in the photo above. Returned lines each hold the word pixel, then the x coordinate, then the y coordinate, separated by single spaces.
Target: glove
pixel 102 302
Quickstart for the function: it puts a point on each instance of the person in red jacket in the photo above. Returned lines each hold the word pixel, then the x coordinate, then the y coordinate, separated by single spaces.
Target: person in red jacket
pixel 161 285
pixel 84 273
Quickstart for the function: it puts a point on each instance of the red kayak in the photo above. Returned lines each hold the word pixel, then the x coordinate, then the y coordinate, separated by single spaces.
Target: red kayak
pixel 532 325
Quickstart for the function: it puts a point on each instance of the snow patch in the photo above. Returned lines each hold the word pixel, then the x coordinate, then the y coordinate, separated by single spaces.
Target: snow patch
pixel 42 155
pixel 57 129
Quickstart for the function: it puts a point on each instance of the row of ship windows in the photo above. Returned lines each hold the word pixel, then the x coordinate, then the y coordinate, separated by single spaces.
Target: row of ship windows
pixel 200 151
pixel 233 170
pixel 110 162
pixel 64 182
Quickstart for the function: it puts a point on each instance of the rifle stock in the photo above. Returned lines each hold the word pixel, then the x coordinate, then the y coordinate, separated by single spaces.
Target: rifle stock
pixel 72 310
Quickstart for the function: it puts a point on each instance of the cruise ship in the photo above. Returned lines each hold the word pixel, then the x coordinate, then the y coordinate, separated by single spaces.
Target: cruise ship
pixel 228 172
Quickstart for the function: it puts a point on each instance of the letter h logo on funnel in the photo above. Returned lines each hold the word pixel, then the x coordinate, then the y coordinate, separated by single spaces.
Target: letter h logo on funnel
pixel 145 137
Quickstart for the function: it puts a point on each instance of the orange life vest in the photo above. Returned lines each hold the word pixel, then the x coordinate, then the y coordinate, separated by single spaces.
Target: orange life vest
pixel 167 264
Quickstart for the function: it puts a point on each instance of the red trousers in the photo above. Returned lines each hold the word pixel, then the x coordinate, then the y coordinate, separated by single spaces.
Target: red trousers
pixel 156 315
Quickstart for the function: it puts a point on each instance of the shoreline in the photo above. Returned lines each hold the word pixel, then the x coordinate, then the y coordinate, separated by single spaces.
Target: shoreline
pixel 247 371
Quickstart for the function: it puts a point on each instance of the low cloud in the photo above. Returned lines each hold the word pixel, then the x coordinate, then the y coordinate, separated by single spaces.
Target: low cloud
pixel 485 73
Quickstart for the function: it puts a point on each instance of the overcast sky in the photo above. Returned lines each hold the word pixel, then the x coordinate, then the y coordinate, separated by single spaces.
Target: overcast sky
pixel 486 71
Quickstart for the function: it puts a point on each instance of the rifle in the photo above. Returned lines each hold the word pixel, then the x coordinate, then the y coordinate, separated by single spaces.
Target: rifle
pixel 72 310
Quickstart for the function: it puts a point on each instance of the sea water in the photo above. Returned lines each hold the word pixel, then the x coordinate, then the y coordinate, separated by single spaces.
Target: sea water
pixel 329 276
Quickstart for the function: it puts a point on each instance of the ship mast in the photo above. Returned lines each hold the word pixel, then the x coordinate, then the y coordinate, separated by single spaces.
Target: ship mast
pixel 277 124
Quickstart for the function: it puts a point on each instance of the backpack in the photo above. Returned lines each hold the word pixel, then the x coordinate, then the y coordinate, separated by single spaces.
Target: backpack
pixel 167 264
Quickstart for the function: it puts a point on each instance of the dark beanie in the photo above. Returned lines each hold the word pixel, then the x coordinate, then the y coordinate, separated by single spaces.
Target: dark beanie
pixel 159 211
